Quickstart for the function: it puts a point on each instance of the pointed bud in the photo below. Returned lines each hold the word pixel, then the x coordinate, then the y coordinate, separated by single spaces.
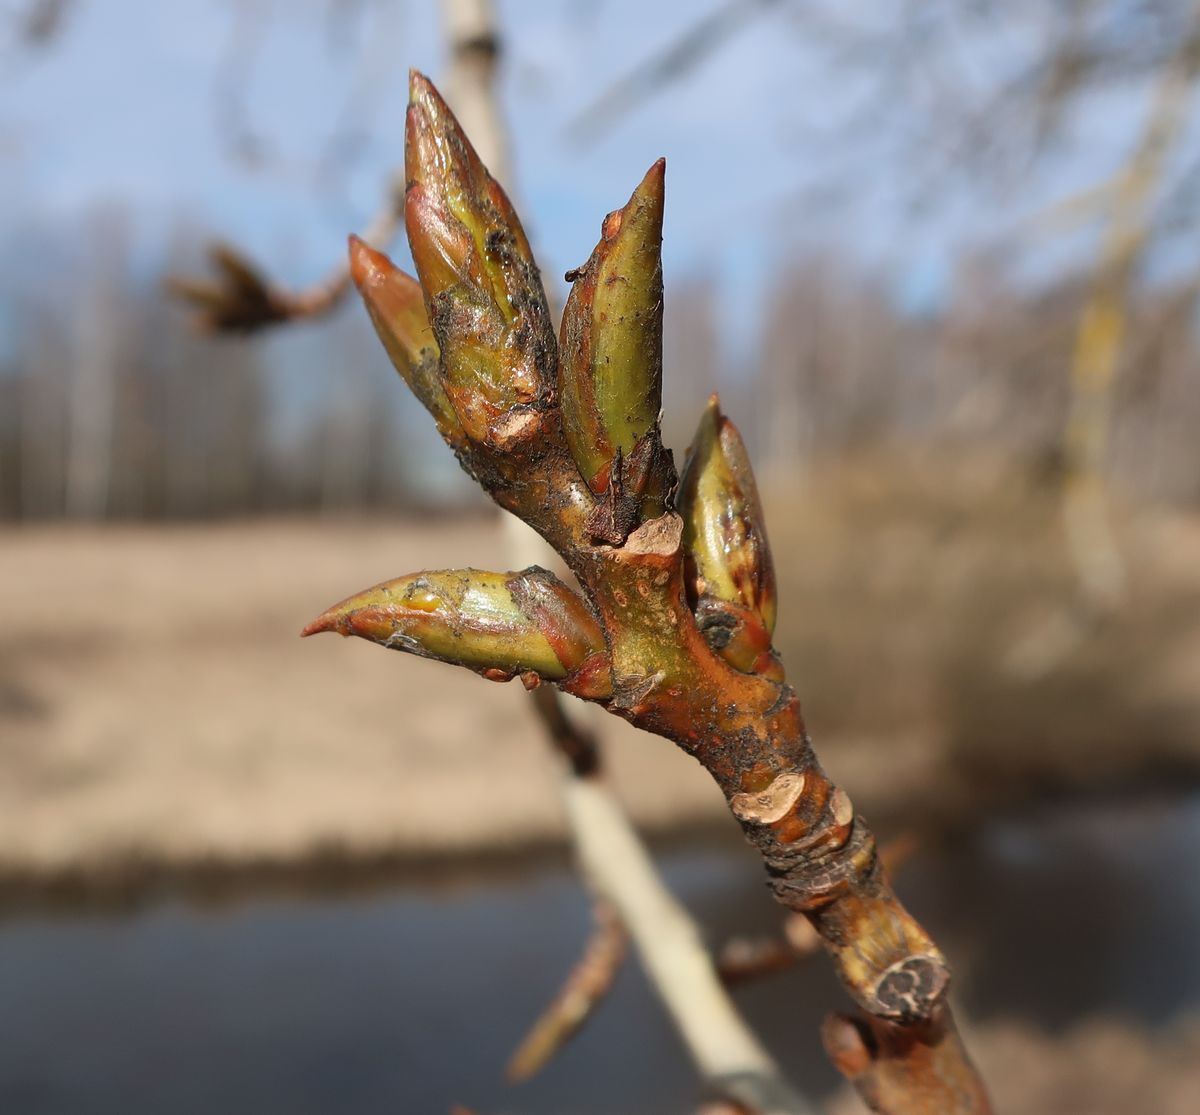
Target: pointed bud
pixel 725 538
pixel 610 369
pixel 500 624
pixel 482 288
pixel 397 309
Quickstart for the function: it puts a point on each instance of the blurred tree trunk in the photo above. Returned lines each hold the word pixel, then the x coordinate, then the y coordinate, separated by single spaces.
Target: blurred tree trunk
pixel 98 343
pixel 42 435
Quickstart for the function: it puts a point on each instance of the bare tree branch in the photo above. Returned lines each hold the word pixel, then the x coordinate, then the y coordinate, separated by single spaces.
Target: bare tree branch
pixel 585 988
pixel 239 298
pixel 690 50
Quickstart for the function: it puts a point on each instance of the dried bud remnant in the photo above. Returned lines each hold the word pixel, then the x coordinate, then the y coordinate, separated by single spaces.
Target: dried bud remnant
pixel 772 804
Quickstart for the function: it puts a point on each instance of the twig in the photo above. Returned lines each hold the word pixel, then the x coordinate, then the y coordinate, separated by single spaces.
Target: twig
pixel 239 298
pixel 919 1069
pixel 629 894
pixel 577 746
pixel 475 51
pixel 679 967
pixel 692 48
pixel 744 958
pixel 671 627
pixel 588 983
pixel 585 988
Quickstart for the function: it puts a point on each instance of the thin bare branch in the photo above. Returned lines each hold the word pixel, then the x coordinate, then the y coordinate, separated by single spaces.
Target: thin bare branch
pixel 1099 340
pixel 239 298
pixel 921 1069
pixel 690 50
pixel 585 988
pixel 747 958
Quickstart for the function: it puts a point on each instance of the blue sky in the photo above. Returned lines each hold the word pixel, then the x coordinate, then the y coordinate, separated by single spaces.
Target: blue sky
pixel 123 108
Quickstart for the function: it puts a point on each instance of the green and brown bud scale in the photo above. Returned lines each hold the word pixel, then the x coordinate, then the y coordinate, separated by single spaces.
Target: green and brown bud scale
pixel 396 306
pixel 731 577
pixel 482 289
pixel 499 624
pixel 610 368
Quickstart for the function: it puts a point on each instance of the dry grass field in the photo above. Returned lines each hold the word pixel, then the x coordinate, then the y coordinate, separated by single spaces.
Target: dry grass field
pixel 158 712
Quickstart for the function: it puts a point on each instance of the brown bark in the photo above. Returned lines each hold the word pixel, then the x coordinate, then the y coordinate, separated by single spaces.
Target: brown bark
pixel 918 1069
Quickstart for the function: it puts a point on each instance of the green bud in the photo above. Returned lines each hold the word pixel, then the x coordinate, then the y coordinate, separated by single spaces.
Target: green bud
pixel 499 624
pixel 724 532
pixel 397 309
pixel 738 635
pixel 610 367
pixel 482 288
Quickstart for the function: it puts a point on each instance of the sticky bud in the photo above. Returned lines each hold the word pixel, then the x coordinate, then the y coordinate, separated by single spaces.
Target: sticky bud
pixel 731 578
pixel 610 367
pixel 482 289
pixel 397 310
pixel 498 624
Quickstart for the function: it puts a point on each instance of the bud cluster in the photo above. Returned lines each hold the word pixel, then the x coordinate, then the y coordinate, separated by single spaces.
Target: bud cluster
pixel 672 627
pixel 472 340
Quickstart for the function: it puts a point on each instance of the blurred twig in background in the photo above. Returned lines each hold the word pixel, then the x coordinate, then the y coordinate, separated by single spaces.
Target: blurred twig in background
pixel 240 299
pixel 696 44
pixel 1102 327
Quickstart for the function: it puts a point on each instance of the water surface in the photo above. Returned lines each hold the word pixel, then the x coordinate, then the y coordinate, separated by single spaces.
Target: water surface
pixel 411 999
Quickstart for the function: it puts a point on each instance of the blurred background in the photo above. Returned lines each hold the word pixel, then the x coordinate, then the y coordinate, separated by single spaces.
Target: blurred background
pixel 941 261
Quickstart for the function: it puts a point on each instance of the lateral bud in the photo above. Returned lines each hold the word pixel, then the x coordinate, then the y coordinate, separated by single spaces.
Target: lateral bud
pixel 498 624
pixel 731 577
pixel 610 366
pixel 482 288
pixel 396 306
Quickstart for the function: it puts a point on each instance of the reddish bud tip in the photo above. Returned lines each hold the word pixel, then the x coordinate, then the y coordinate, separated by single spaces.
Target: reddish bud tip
pixel 366 264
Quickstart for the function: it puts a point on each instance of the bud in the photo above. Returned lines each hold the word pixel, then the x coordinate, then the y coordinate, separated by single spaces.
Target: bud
pixel 481 285
pixel 738 635
pixel 729 559
pixel 500 624
pixel 610 368
pixel 397 309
